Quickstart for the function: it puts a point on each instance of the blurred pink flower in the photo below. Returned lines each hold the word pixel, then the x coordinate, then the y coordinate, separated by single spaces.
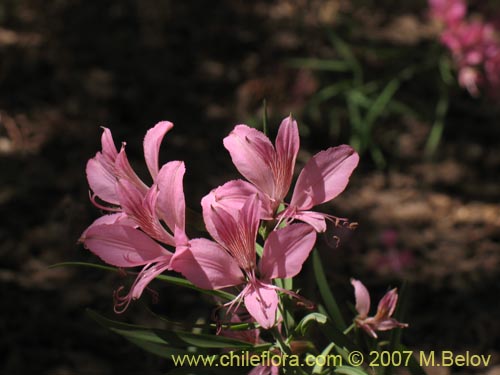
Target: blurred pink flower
pixel 474 45
pixel 382 321
pixel 392 259
pixel 450 12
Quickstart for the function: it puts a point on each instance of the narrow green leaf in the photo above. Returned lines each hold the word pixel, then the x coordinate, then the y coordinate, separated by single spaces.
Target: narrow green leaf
pixel 165 278
pixel 348 370
pixel 347 54
pixel 381 102
pixel 318 368
pixel 327 295
pixel 178 339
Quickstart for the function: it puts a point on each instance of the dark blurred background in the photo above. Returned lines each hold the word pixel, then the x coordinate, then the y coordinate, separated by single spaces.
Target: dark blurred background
pixel 68 67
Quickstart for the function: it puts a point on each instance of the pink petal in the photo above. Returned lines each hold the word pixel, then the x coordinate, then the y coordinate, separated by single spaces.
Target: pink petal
pixel 362 298
pixel 142 209
pixel 123 246
pixel 118 218
pixel 152 142
pixel 207 265
pixel 252 154
pixel 324 177
pixel 261 302
pixel 286 250
pixel 108 146
pixel 171 205
pixel 368 329
pixel 238 234
pixel 101 180
pixel 145 277
pixel 387 304
pixel 231 197
pixel 124 170
pixel 389 324
pixel 314 219
pixel 287 147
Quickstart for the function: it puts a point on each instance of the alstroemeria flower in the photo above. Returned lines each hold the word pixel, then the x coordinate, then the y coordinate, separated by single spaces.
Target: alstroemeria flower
pixel 382 321
pixel 231 261
pixel 134 235
pixel 108 166
pixel 270 169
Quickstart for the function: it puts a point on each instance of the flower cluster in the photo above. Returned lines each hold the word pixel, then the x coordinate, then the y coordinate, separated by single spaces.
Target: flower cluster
pixel 474 45
pixel 145 225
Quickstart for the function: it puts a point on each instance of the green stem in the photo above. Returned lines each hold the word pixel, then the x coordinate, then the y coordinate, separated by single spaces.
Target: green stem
pixel 279 340
pixel 349 329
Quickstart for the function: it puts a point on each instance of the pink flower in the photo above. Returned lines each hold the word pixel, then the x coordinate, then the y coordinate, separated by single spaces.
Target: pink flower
pixel 231 260
pixel 133 235
pixel 450 12
pixel 109 165
pixel 382 320
pixel 474 45
pixel 270 170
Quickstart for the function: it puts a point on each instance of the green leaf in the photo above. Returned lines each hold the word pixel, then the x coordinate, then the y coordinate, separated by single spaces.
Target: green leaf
pixel 331 91
pixel 169 338
pixel 381 102
pixel 347 54
pixel 348 370
pixel 318 368
pixel 308 319
pixel 327 295
pixel 165 278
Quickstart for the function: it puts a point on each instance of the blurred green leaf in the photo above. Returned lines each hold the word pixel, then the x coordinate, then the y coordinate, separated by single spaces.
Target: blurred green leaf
pixel 320 64
pixel 326 293
pixel 380 103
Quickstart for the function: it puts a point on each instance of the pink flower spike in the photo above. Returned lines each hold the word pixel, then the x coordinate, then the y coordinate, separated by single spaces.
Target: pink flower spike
pixel 152 142
pixel 450 12
pixel 382 321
